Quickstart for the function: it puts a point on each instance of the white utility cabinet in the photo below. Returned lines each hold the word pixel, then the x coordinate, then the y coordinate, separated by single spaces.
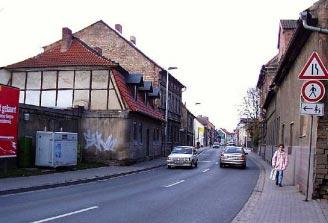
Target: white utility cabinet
pixel 55 149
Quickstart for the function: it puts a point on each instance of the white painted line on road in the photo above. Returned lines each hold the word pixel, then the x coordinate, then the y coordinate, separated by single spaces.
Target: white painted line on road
pixel 179 182
pixel 65 215
pixel 217 163
pixel 204 171
pixel 204 161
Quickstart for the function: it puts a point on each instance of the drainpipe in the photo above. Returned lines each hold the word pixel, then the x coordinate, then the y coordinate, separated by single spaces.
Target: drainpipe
pixel 303 17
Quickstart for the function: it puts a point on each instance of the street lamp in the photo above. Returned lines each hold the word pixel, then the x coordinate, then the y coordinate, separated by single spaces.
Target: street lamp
pixel 166 105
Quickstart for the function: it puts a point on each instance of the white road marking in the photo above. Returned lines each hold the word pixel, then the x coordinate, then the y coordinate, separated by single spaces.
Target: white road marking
pixel 179 182
pixel 204 161
pixel 65 215
pixel 217 163
pixel 204 171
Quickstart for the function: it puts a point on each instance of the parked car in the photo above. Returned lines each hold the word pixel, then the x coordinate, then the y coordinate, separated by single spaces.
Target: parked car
pixel 216 145
pixel 183 156
pixel 233 155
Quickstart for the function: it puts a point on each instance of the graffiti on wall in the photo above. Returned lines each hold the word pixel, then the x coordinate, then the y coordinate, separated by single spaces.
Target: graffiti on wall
pixel 95 139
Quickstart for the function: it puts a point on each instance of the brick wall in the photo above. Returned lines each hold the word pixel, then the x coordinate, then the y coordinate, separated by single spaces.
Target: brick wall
pixel 117 49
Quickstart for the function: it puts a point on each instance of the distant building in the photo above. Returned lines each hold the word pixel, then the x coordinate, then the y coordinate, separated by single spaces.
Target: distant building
pixel 199 132
pixel 187 134
pixel 221 136
pixel 243 134
pixel 209 130
pixel 229 136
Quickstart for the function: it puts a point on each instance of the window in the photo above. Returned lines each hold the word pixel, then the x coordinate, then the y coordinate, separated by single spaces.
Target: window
pixel 81 98
pixel 82 79
pixel 19 80
pixel 291 135
pixel 33 98
pixel 65 79
pixel 283 133
pixel 135 134
pixel 65 98
pixel 48 98
pixel 33 80
pixel 140 132
pixel 100 79
pixel 145 99
pixel 135 93
pixel 156 134
pixel 49 80
pixel 99 99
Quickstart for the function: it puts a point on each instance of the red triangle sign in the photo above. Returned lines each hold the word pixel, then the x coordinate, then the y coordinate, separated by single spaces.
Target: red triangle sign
pixel 314 69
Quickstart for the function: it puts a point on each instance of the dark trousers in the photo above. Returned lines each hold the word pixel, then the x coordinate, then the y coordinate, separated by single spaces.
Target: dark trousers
pixel 279 176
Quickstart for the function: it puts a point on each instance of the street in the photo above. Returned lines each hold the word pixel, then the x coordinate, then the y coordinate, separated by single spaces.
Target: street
pixel 203 194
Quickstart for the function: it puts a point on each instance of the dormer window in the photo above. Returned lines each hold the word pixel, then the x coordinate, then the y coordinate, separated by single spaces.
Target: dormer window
pixel 146 88
pixel 135 80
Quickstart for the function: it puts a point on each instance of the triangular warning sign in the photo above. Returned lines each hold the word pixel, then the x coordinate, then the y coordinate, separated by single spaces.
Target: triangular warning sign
pixel 314 69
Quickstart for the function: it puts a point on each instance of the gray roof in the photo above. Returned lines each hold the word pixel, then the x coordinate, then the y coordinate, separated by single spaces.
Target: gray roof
pixel 147 86
pixel 288 24
pixel 155 93
pixel 134 78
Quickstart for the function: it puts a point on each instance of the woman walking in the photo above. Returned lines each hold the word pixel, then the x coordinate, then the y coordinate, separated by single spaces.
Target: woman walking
pixel 280 162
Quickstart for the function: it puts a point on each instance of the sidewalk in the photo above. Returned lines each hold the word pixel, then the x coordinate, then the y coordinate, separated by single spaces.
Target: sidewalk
pixel 271 204
pixel 52 180
pixel 23 184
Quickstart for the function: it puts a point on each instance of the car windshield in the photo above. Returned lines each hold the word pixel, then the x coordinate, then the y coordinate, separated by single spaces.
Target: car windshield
pixel 181 150
pixel 233 150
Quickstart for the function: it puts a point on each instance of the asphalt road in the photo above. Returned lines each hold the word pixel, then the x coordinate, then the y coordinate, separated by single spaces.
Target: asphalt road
pixel 204 194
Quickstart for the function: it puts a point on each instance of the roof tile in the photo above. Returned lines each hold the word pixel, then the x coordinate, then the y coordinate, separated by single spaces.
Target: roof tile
pixel 79 54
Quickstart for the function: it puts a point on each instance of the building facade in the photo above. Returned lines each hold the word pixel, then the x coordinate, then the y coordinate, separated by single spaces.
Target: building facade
pixel 115 47
pixel 119 122
pixel 187 127
pixel 284 124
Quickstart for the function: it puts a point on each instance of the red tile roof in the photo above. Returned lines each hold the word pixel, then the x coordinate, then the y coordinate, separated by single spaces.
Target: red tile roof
pixel 79 54
pixel 135 105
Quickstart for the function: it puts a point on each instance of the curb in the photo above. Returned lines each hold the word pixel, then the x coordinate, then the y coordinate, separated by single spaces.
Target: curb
pixel 247 211
pixel 76 182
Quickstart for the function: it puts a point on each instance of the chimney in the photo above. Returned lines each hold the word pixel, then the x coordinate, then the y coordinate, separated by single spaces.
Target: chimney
pixel 118 28
pixel 98 50
pixel 66 39
pixel 133 39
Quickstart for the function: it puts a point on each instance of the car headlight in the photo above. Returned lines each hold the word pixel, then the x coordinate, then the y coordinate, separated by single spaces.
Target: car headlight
pixel 169 158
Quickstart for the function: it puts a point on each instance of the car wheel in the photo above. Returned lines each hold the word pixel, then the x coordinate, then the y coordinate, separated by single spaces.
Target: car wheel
pixel 244 166
pixel 169 167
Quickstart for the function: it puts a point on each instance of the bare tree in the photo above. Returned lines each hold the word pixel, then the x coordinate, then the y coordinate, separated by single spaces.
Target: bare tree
pixel 250 108
pixel 250 111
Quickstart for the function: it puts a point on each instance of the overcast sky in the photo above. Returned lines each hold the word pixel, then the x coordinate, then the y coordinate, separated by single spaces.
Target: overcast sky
pixel 218 46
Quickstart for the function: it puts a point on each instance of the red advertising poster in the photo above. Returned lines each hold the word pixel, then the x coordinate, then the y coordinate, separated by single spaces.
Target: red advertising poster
pixel 9 99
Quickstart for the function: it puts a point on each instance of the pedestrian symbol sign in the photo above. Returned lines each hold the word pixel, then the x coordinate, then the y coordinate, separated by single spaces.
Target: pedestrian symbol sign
pixel 313 91
pixel 312 109
pixel 314 69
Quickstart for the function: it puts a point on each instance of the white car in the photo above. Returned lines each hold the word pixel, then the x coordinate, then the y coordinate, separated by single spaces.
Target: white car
pixel 183 156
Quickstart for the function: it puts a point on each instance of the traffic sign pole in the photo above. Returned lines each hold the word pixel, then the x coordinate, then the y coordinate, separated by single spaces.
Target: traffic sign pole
pixel 309 162
pixel 312 91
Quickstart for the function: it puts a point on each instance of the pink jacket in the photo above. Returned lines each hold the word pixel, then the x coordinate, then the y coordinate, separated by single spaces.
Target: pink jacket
pixel 280 160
